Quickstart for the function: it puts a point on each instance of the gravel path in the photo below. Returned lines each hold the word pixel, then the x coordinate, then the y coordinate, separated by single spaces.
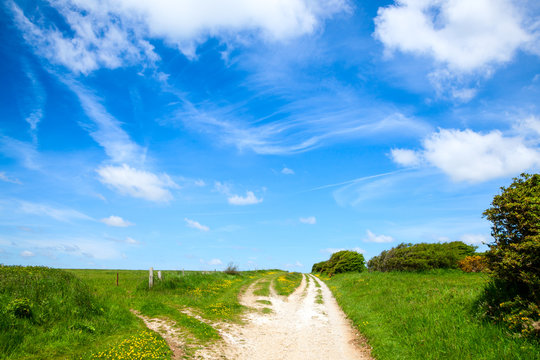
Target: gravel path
pixel 298 328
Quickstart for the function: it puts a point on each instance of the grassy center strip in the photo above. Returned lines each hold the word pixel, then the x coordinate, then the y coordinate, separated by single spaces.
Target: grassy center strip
pixel 286 283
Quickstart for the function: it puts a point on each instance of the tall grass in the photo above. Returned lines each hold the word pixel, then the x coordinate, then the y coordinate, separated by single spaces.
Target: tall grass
pixel 425 316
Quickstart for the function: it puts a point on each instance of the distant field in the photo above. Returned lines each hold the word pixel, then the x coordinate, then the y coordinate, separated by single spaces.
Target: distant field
pixel 425 316
pixel 82 314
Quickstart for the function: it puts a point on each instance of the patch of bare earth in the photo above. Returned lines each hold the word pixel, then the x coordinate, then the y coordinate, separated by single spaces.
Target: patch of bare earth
pixel 298 327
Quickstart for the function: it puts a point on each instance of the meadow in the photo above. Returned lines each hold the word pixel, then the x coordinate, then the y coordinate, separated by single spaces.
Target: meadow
pixel 82 314
pixel 425 315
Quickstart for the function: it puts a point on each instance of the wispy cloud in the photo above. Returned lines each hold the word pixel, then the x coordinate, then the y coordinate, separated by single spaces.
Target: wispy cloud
pixel 24 152
pixel 106 130
pixel 196 225
pixel 137 183
pixel 287 171
pixel 249 199
pixel 27 253
pixel 61 214
pixel 311 220
pixel 35 102
pixel 116 221
pixel 9 179
pixel 474 239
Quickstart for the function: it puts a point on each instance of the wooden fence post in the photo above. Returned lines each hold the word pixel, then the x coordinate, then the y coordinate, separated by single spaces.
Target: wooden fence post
pixel 151 278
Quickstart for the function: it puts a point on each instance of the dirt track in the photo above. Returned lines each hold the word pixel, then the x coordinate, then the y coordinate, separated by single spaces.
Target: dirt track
pixel 298 328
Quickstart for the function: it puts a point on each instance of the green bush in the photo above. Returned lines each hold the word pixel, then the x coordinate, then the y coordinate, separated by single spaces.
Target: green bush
pixel 513 296
pixel 421 257
pixel 341 262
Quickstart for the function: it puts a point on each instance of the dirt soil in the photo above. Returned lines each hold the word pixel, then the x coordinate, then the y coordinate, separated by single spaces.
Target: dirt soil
pixel 298 328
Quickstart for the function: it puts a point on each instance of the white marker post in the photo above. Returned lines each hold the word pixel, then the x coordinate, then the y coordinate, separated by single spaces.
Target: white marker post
pixel 151 278
pixel 159 275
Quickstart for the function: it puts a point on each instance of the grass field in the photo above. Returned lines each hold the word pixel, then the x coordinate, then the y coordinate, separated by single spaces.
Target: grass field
pixel 425 316
pixel 82 314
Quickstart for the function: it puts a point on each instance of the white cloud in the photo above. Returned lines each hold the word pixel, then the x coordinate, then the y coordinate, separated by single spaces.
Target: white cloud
pixel 287 171
pixel 249 199
pixel 474 239
pixel 215 262
pixel 96 37
pixel 471 156
pixel 466 39
pixel 405 157
pixel 200 183
pixel 106 130
pixel 8 179
pixel 137 183
pixel 132 241
pixel 64 214
pixel 462 34
pixel 116 221
pixel 27 253
pixel 111 33
pixel 311 220
pixel 196 225
pixel 371 237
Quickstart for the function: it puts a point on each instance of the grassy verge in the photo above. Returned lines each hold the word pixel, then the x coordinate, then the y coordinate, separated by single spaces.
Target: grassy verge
pixel 57 314
pixel 425 316
pixel 286 284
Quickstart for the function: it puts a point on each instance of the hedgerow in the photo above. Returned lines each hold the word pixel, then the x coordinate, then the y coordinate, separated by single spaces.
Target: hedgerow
pixel 341 262
pixel 421 257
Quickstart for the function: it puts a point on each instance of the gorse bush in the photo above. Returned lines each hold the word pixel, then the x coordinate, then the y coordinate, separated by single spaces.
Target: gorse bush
pixel 474 263
pixel 341 262
pixel 513 297
pixel 421 257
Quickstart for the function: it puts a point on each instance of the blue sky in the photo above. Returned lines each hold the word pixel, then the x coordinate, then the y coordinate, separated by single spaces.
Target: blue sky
pixel 189 134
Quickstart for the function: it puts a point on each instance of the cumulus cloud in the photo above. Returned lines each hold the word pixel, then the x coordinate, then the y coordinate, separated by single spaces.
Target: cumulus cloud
pixel 137 183
pixel 405 157
pixel 311 220
pixel 474 239
pixel 111 33
pixel 27 253
pixel 211 262
pixel 465 155
pixel 116 221
pixel 249 199
pixel 465 35
pixel 196 225
pixel 371 237
pixel 287 171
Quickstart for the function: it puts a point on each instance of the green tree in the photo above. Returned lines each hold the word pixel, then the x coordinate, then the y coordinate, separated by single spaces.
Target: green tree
pixel 514 256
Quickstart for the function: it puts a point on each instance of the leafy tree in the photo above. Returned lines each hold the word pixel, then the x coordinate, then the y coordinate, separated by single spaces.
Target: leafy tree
pixel 513 296
pixel 341 262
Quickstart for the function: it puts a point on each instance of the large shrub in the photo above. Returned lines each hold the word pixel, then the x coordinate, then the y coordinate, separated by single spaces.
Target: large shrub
pixel 420 257
pixel 341 262
pixel 513 296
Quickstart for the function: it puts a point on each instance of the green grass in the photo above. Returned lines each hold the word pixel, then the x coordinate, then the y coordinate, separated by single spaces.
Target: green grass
pixel 265 302
pixel 286 283
pixel 425 316
pixel 319 297
pixel 82 313
pixel 267 310
pixel 262 288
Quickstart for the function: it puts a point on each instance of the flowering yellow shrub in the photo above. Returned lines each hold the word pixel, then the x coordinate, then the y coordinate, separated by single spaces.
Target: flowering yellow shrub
pixel 475 263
